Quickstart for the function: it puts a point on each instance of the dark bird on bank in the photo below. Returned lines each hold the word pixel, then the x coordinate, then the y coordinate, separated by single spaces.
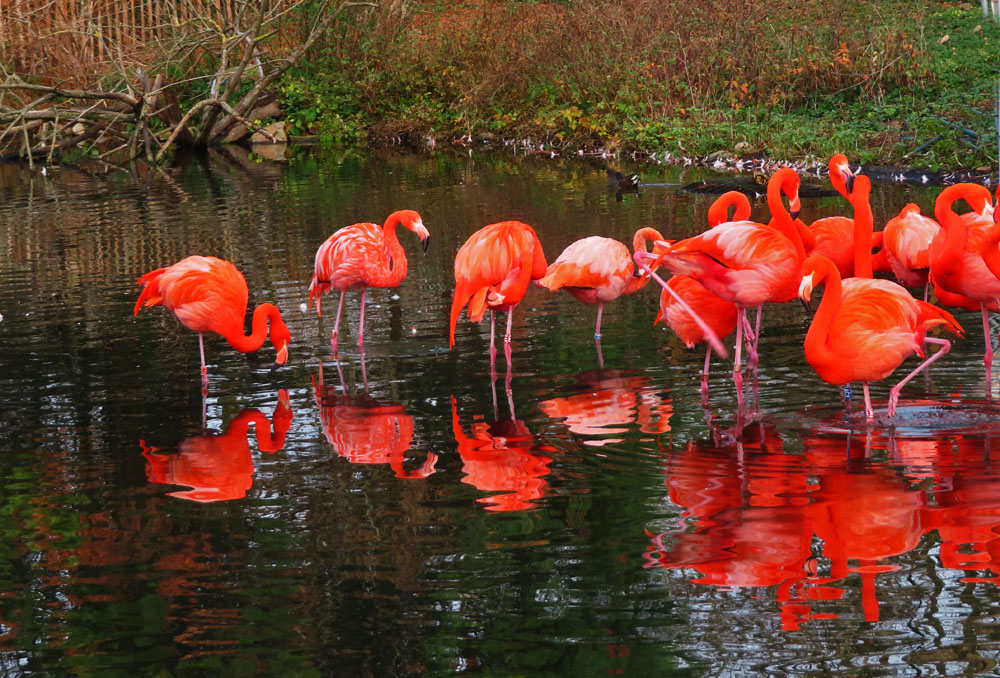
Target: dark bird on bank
pixel 621 183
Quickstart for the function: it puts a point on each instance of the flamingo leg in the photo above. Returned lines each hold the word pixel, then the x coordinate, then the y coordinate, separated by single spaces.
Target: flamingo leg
pixel 600 356
pixel 988 355
pixel 493 344
pixel 894 391
pixel 204 369
pixel 364 371
pixel 336 323
pixel 704 377
pixel 752 338
pixel 506 344
pixel 869 411
pixel 737 371
pixel 597 330
pixel 361 328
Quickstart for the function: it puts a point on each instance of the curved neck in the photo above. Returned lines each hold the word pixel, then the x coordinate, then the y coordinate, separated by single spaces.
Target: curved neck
pixel 819 330
pixel 785 181
pixel 718 213
pixel 258 329
pixel 642 236
pixel 956 235
pixel 391 277
pixel 864 224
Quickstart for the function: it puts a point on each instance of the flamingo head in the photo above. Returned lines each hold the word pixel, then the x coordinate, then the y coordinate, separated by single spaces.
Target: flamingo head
pixel 410 220
pixel 280 338
pixel 976 196
pixel 786 180
pixel 841 174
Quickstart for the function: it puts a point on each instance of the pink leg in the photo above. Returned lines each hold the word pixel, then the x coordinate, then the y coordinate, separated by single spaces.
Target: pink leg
pixel 336 324
pixel 737 370
pixel 597 331
pixel 753 355
pixel 704 377
pixel 361 328
pixel 869 411
pixel 204 369
pixel 506 344
pixel 988 356
pixel 493 345
pixel 364 371
pixel 894 391
pixel 927 286
pixel 600 356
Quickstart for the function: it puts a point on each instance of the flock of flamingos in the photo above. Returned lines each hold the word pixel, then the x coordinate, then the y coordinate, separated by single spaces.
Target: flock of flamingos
pixel 862 330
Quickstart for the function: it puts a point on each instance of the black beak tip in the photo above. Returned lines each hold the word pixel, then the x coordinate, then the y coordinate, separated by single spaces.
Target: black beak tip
pixel 806 305
pixel 426 242
pixel 794 214
pixel 849 182
pixel 637 272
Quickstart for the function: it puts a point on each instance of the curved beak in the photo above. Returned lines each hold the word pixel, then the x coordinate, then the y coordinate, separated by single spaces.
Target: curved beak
pixel 849 181
pixel 794 206
pixel 426 242
pixel 282 356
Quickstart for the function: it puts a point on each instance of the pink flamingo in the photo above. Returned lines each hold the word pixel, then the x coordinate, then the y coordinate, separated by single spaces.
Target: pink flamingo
pixel 598 270
pixel 906 242
pixel 362 256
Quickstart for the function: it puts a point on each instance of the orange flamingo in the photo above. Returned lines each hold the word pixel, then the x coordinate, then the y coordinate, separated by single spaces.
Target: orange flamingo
pixel 210 295
pixel 492 271
pixel 864 329
pixel 598 270
pixel 718 212
pixel 745 262
pixel 956 259
pixel 362 256
pixel 721 315
pixel 833 237
pixel 218 467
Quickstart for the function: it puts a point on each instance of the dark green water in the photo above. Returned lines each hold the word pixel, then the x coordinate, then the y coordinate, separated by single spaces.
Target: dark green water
pixel 599 528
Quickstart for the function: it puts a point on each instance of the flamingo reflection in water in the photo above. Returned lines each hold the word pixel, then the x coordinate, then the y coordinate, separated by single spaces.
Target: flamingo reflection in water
pixel 608 402
pixel 752 517
pixel 364 430
pixel 219 466
pixel 502 457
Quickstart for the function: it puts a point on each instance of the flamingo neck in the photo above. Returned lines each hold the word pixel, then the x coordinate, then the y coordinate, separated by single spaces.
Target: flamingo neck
pixel 817 337
pixel 864 223
pixel 991 249
pixel 246 343
pixel 394 274
pixel 718 213
pixel 639 241
pixel 955 237
pixel 781 218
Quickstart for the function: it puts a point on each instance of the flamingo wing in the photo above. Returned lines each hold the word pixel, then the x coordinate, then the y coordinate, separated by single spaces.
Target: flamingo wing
pixel 908 238
pixel 206 294
pixel 603 264
pixel 349 259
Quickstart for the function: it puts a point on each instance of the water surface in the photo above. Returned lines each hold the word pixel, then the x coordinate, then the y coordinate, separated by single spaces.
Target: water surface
pixel 592 521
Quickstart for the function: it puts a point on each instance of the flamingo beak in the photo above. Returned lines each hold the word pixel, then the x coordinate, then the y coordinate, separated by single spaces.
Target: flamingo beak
pixel 794 207
pixel 282 356
pixel 805 291
pixel 426 242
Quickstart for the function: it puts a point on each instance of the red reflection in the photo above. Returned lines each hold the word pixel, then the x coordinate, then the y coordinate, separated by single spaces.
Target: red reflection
pixel 218 467
pixel 364 430
pixel 609 402
pixel 501 457
pixel 753 516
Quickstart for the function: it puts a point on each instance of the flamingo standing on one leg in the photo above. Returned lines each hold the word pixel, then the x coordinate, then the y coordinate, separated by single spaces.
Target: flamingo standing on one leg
pixel 745 262
pixel 492 271
pixel 362 256
pixel 864 329
pixel 598 270
pixel 956 260
pixel 210 295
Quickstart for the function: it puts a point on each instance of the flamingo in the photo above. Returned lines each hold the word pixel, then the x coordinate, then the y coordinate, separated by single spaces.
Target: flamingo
pixel 598 270
pixel 720 314
pixel 718 212
pixel 210 295
pixel 744 262
pixel 492 271
pixel 362 256
pixel 833 237
pixel 906 243
pixel 956 258
pixel 864 329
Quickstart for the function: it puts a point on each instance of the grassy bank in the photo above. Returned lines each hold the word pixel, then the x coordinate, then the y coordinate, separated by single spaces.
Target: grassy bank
pixel 790 78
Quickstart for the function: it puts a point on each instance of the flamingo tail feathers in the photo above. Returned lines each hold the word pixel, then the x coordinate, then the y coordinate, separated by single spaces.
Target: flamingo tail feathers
pixel 150 295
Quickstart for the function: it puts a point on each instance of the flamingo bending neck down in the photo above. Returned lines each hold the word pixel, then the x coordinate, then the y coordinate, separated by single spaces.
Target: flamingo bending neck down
pixel 361 256
pixel 492 271
pixel 598 270
pixel 956 258
pixel 864 329
pixel 833 236
pixel 746 262
pixel 210 295
pixel 718 211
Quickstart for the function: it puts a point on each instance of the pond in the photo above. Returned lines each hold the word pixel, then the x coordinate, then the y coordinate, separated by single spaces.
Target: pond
pixel 591 520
